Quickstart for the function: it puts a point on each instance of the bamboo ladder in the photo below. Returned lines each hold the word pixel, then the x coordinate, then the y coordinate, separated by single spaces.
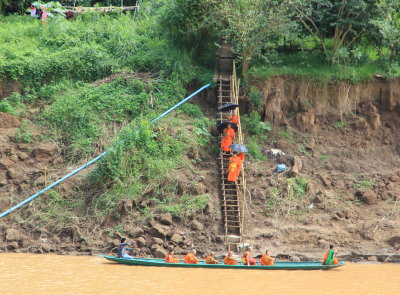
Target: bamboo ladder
pixel 232 195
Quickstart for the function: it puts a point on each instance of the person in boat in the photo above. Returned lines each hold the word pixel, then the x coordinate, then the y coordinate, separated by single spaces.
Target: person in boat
pixel 266 259
pixel 122 249
pixel 247 259
pixel 229 260
pixel 228 136
pixel 170 258
pixel 329 257
pixel 234 118
pixel 191 258
pixel 210 259
pixel 235 164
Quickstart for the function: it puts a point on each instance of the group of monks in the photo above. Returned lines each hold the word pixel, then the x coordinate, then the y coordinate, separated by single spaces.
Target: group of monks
pixel 236 160
pixel 191 258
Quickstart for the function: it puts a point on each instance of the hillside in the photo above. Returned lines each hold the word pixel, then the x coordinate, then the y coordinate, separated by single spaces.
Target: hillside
pixel 70 90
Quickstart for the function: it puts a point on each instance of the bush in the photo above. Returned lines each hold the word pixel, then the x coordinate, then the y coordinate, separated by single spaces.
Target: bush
pixel 252 123
pixel 255 149
pixel 5 107
pixel 255 97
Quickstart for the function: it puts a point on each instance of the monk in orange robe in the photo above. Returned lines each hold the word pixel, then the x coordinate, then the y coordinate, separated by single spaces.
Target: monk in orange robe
pixel 227 138
pixel 210 259
pixel 266 259
pixel 191 258
pixel 234 118
pixel 235 163
pixel 170 258
pixel 241 157
pixel 247 259
pixel 229 260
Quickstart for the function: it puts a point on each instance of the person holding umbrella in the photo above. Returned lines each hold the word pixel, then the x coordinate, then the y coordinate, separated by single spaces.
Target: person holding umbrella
pixel 234 118
pixel 228 136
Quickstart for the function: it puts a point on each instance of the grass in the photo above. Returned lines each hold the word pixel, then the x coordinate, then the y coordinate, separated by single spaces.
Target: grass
pixel 287 198
pixel 364 184
pixel 340 124
pixel 186 205
pixel 324 157
pixel 311 65
pixel 58 64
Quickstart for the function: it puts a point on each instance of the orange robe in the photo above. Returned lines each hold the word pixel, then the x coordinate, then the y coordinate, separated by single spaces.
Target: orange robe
pixel 234 119
pixel 230 261
pixel 171 259
pixel 190 259
pixel 247 259
pixel 211 260
pixel 235 164
pixel 241 157
pixel 266 260
pixel 227 139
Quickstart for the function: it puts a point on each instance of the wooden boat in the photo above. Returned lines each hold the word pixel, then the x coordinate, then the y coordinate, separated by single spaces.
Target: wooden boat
pixel 202 264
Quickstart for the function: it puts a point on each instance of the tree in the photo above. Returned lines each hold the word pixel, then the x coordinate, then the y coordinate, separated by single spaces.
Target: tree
pixel 3 5
pixel 389 26
pixel 251 25
pixel 343 21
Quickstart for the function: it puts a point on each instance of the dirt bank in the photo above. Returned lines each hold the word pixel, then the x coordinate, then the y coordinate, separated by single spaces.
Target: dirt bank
pixel 345 137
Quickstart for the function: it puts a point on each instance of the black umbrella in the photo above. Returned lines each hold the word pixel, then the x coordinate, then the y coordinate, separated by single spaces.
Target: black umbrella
pixel 228 106
pixel 236 147
pixel 224 125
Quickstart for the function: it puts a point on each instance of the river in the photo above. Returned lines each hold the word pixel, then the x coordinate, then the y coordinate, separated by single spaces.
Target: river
pixel 54 274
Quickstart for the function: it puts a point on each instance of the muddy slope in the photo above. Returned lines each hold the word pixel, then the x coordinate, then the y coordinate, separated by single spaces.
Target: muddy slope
pixel 344 136
pixel 344 140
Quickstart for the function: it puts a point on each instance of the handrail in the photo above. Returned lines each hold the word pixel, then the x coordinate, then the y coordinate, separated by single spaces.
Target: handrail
pixel 31 198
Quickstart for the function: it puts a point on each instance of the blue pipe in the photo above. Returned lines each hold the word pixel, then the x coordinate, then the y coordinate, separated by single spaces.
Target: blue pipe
pixel 95 159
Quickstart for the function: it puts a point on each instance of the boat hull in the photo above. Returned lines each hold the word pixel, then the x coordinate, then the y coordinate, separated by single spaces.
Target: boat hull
pixel 202 264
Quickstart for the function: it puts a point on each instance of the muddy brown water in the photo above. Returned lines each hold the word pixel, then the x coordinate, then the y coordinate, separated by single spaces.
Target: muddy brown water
pixel 52 274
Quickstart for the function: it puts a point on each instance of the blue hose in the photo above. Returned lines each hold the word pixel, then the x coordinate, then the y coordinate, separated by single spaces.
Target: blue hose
pixel 95 159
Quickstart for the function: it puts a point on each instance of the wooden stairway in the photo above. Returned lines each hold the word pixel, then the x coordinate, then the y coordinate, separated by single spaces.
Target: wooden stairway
pixel 232 195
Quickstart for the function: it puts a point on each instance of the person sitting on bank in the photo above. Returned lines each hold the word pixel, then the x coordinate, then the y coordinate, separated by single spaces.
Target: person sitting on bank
pixel 170 258
pixel 122 248
pixel 266 259
pixel 210 259
pixel 329 257
pixel 191 258
pixel 247 259
pixel 229 260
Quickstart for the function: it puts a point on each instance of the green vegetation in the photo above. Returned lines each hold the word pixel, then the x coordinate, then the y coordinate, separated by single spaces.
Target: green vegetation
pixel 257 129
pixel 96 80
pixel 319 39
pixel 23 133
pixel 364 184
pixel 255 97
pixel 98 76
pixel 340 124
pixel 287 199
pixel 186 205
pixel 252 123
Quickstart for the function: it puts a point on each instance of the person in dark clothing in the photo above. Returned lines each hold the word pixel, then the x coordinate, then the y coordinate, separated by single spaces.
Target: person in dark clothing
pixel 122 248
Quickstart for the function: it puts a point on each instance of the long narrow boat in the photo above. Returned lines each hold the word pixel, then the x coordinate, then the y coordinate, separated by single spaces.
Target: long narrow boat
pixel 202 264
